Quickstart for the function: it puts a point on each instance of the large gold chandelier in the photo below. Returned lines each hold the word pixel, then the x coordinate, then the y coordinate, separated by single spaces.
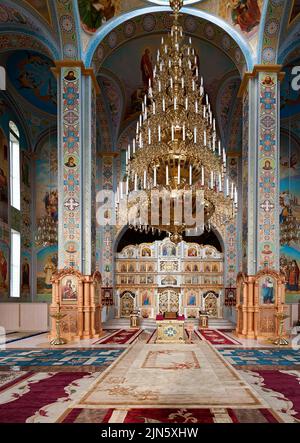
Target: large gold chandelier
pixel 176 147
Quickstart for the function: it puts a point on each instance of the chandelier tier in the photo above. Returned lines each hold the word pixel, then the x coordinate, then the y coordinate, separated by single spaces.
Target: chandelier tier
pixel 176 147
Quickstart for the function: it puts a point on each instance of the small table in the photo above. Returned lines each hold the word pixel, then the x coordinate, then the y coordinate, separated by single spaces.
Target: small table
pixel 170 331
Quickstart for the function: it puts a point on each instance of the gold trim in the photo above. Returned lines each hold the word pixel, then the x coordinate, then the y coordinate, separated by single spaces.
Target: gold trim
pixel 76 64
pixel 257 69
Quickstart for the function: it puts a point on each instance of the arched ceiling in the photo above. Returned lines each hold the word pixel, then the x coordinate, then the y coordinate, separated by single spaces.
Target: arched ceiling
pixel 54 29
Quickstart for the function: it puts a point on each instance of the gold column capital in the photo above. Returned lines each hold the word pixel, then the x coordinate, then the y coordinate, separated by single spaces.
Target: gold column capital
pixel 274 69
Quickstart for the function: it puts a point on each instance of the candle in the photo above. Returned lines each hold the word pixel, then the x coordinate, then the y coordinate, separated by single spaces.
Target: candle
pixel 183 133
pixel 164 104
pixel 186 104
pixel 127 186
pixel 145 179
pixel 205 140
pixel 206 99
pixel 134 145
pixel 175 103
pixel 211 179
pixel 219 147
pixel 159 133
pixel 227 186
pixel 154 178
pixel 126 158
pixel 172 130
pixel 191 175
pixel 149 136
pixel 128 152
pixel 167 174
pixel 202 176
pixel 196 106
pixel 178 174
pixel 135 182
pixel 195 135
pixel 121 190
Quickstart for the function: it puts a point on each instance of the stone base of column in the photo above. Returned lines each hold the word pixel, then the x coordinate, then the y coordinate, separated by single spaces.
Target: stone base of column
pixel 259 299
pixel 76 298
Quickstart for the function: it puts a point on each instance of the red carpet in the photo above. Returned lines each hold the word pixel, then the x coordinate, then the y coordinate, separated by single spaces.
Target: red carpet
pixel 217 338
pixel 121 337
pixel 285 384
pixel 35 395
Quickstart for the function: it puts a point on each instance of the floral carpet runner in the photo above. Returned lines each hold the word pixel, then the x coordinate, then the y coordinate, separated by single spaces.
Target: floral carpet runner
pixel 174 415
pixel 217 338
pixel 121 337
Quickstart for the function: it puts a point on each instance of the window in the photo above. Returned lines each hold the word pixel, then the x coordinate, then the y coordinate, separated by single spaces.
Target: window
pixel 14 166
pixel 2 79
pixel 15 264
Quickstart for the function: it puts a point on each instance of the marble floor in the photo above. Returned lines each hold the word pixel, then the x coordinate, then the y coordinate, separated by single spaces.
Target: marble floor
pixel 247 382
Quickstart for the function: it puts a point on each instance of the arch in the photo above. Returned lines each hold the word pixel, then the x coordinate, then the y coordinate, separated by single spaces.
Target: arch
pixel 32 24
pixel 111 25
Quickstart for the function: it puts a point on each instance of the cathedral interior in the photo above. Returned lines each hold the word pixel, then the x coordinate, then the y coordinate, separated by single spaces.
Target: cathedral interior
pixel 149 211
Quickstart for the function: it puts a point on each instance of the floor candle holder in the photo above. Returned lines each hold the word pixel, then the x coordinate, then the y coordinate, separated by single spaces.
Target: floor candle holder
pixel 58 340
pixel 280 340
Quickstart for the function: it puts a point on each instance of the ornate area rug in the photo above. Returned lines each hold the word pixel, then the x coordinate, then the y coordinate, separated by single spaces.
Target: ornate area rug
pixel 188 376
pixel 267 358
pixel 41 397
pixel 58 359
pixel 281 389
pixel 171 415
pixel 217 338
pixel 121 337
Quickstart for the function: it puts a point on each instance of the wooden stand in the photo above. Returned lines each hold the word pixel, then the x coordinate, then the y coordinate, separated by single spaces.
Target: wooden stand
pixel 78 298
pixel 260 299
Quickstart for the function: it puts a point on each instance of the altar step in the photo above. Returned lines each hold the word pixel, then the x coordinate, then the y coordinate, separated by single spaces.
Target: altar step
pixel 150 324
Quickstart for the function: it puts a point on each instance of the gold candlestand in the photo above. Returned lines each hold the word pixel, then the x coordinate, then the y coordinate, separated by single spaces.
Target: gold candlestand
pixel 58 340
pixel 280 341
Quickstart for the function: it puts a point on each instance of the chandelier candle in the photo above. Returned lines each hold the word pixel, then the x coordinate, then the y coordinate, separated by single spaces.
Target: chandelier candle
pixel 183 152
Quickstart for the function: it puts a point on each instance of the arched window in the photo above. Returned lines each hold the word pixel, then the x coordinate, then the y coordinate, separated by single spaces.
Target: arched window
pixel 2 79
pixel 15 201
pixel 14 145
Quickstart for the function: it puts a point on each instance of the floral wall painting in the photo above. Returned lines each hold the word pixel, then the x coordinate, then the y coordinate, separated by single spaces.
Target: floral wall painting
pixel 3 178
pixel 267 290
pixel 4 274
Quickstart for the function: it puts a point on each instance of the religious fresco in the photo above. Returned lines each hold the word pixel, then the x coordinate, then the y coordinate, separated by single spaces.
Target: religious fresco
pixel 4 269
pixel 95 13
pixel 290 203
pixel 4 178
pixel 25 273
pixel 46 202
pixel 47 260
pixel 31 76
pixel 46 179
pixel 137 59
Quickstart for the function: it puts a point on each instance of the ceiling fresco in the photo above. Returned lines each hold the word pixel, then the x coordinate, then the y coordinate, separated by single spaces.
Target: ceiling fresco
pixel 31 76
